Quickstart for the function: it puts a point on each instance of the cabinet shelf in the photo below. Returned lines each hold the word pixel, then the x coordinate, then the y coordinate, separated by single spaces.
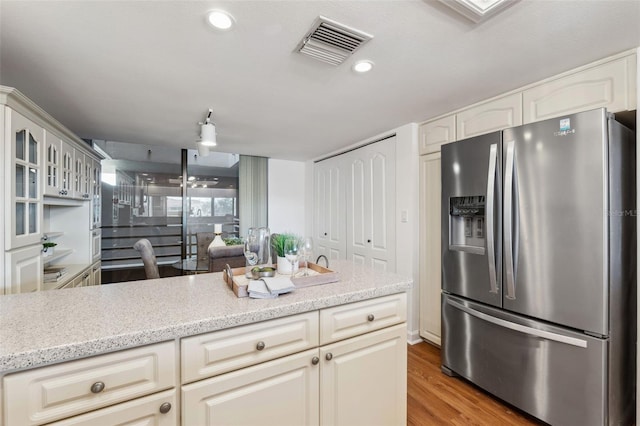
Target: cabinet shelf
pixel 58 254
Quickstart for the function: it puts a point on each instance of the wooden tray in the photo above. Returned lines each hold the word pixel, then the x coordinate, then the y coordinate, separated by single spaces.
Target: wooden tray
pixel 237 282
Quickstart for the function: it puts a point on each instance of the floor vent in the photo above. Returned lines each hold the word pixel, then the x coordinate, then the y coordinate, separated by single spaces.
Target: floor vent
pixel 331 42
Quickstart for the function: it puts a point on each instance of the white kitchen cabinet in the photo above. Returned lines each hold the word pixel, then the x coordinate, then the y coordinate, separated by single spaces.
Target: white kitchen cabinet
pixel 430 247
pixel 96 244
pixel 53 165
pixel 329 209
pixel 609 84
pixel 345 321
pixel 363 379
pixel 78 174
pixel 96 194
pixel 491 116
pixel 23 208
pixel 68 164
pixel 159 409
pixel 275 372
pixel 370 209
pixel 96 274
pixel 222 351
pixel 281 392
pixel 24 270
pixel 433 134
pixel 46 394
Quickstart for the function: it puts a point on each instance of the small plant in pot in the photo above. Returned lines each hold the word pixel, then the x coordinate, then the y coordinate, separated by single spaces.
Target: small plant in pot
pixel 279 241
pixel 47 248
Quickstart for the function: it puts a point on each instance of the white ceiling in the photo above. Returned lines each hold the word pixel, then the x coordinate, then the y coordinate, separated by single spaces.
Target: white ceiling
pixel 147 71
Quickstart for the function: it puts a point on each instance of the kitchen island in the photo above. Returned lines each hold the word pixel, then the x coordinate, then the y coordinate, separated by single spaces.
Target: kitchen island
pixel 192 320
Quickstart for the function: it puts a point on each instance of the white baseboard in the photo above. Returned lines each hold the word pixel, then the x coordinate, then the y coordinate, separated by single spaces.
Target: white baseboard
pixel 413 337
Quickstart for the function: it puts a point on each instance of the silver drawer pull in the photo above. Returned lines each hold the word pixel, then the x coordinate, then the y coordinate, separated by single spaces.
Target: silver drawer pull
pixel 165 407
pixel 97 387
pixel 260 346
pixel 315 360
pixel 329 356
pixel 370 317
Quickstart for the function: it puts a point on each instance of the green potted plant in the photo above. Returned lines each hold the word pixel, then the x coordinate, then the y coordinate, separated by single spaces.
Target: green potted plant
pixel 279 241
pixel 47 248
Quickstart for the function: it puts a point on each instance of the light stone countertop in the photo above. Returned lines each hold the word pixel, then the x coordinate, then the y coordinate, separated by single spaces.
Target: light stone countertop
pixel 52 326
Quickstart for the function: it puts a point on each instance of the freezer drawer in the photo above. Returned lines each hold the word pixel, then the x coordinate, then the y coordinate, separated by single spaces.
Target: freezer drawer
pixel 557 375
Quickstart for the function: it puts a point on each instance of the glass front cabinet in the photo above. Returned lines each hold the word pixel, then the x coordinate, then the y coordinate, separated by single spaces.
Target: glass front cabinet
pixel 25 208
pixel 51 189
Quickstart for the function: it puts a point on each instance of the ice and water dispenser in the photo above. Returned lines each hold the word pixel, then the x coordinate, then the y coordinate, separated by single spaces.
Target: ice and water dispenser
pixel 467 224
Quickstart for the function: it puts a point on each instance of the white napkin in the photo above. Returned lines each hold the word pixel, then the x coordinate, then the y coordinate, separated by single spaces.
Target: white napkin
pixel 258 290
pixel 278 285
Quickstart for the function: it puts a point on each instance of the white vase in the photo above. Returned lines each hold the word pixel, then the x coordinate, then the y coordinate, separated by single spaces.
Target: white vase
pixel 284 266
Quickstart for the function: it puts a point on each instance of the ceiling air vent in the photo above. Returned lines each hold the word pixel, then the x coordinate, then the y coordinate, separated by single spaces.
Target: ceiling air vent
pixel 331 42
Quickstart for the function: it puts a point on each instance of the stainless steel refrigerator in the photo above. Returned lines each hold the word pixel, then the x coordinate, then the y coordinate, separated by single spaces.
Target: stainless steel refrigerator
pixel 539 267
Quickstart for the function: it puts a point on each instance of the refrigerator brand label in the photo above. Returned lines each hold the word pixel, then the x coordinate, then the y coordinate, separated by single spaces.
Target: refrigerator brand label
pixel 565 128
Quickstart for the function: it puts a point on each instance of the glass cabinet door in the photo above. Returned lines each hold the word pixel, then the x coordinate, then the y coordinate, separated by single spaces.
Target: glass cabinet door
pixel 52 160
pixel 78 173
pixel 26 194
pixel 66 185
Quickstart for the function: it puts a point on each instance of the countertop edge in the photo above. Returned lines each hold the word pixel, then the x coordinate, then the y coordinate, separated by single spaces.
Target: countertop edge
pixel 57 354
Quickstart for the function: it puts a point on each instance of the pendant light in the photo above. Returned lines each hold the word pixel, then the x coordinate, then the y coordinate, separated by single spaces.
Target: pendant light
pixel 207 135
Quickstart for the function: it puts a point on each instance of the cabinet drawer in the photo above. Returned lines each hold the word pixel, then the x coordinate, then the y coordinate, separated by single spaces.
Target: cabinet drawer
pixel 342 322
pixel 141 411
pixel 58 391
pixel 226 350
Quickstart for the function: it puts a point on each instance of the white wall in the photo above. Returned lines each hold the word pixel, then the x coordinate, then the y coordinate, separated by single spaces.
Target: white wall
pixel 286 196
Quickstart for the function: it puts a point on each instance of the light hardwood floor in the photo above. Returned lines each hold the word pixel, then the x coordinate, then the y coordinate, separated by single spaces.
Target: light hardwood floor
pixel 436 399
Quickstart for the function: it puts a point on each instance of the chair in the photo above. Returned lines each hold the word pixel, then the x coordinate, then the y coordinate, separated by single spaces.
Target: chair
pixel 226 255
pixel 148 258
pixel 203 240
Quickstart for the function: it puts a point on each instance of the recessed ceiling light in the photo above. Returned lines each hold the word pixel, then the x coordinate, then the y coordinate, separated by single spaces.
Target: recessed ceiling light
pixel 362 66
pixel 191 178
pixel 220 19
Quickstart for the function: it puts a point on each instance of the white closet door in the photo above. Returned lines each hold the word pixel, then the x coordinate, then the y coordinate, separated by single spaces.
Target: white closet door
pixel 371 205
pixel 329 211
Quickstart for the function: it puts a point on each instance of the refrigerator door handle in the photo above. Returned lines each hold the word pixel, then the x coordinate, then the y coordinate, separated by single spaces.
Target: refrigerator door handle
pixel 518 327
pixel 491 249
pixel 508 221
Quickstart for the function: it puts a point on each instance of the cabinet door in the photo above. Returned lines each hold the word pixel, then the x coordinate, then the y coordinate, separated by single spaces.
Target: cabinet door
pixel 371 205
pixel 363 380
pixel 436 133
pixel 24 270
pixel 96 274
pixel 610 85
pixel 329 209
pixel 281 392
pixel 24 205
pixel 53 165
pixel 430 247
pixel 96 244
pixel 66 184
pixel 87 178
pixel 78 174
pixel 156 410
pixel 490 116
pixel 96 193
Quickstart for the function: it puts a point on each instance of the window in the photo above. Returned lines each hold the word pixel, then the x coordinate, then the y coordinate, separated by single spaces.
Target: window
pixel 224 206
